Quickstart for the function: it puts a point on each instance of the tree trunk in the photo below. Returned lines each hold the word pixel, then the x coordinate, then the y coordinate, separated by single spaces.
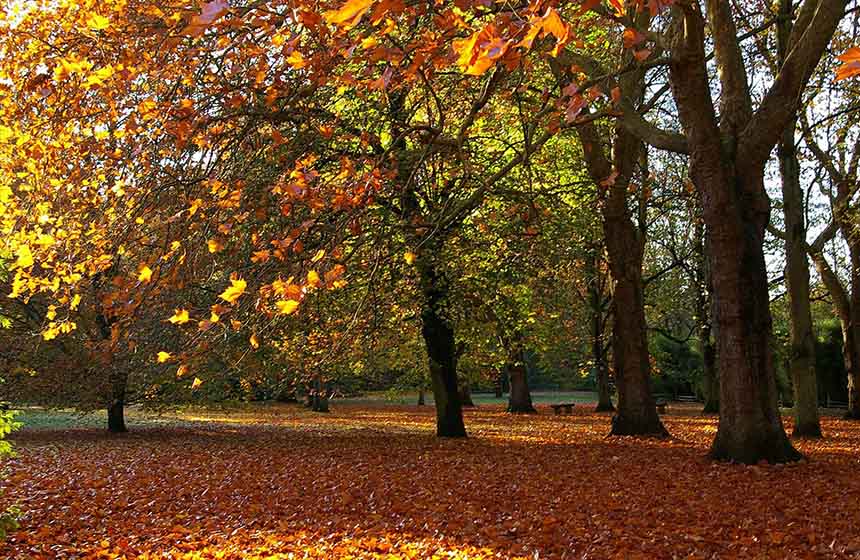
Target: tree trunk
pixel 466 395
pixel 499 386
pixel 842 304
pixel 802 355
pixel 750 427
pixel 704 316
pixel 421 397
pixel 116 415
pixel 853 342
pixel 441 346
pixel 520 400
pixel 710 372
pixel 320 396
pixel 598 355
pixel 437 332
pixel 636 412
pixel 736 211
pixel 847 304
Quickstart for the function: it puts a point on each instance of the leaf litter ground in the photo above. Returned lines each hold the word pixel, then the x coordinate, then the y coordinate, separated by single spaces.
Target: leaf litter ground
pixel 373 482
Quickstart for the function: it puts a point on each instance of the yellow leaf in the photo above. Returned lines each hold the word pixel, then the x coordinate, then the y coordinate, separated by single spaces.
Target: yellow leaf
pixel 195 205
pixel 215 245
pixel 196 383
pixel 6 134
pixel 98 77
pixel 313 279
pixel 296 60
pixel 180 316
pixel 287 306
pixel 214 317
pixel 349 14
pixel 255 342
pixel 44 240
pixel 145 274
pixel 163 356
pixel 76 300
pixel 320 254
pixel 236 289
pixel 409 257
pixel 25 257
pixel 97 22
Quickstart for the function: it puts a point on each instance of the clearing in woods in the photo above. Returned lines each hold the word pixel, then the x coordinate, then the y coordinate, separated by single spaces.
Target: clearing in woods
pixel 372 481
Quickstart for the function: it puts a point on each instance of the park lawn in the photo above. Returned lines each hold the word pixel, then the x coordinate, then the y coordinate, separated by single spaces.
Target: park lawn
pixel 371 481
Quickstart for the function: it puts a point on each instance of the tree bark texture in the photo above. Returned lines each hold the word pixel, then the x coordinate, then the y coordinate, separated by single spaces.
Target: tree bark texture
pixel 441 347
pixel 520 399
pixel 727 160
pixel 802 340
pixel 636 413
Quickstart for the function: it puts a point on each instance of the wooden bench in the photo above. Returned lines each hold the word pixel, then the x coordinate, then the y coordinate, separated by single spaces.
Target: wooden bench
pixel 566 407
pixel 661 406
pixel 687 398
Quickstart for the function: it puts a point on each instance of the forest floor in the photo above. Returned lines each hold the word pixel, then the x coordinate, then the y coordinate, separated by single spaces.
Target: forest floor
pixel 371 481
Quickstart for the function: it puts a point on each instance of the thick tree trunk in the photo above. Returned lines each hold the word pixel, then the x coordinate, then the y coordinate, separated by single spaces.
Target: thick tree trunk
pixel 116 416
pixel 117 379
pixel 436 330
pixel 636 412
pixel 802 355
pixel 736 210
pixel 750 427
pixel 441 347
pixel 520 400
pixel 421 398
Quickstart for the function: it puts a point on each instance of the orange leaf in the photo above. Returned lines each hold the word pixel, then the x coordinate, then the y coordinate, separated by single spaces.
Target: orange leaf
pixel 851 68
pixel 349 14
pixel 210 12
